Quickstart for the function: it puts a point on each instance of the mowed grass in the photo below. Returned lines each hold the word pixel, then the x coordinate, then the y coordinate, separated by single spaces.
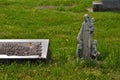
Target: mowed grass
pixel 60 21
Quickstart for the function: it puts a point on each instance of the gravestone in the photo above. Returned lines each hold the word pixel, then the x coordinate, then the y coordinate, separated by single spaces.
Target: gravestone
pixel 86 48
pixel 24 48
pixel 106 5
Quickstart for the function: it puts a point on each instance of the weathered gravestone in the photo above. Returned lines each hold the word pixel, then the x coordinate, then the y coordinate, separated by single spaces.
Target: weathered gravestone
pixel 24 48
pixel 86 48
pixel 106 5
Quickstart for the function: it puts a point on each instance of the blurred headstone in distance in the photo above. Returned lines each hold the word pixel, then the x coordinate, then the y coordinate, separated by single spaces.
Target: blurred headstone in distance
pixel 106 5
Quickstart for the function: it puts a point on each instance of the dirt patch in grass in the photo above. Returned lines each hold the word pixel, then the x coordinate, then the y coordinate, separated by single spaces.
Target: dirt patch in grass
pixel 46 7
pixel 89 9
pixel 52 7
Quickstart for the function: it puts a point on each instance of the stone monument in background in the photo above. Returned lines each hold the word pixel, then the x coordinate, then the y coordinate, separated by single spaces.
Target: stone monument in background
pixel 86 48
pixel 107 5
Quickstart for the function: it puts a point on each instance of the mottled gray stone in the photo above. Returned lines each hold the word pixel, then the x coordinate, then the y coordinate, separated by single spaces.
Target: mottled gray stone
pixel 24 48
pixel 97 6
pixel 106 5
pixel 86 48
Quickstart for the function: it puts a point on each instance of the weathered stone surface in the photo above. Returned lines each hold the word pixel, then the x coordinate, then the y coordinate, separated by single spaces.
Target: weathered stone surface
pixel 37 48
pixel 97 6
pixel 106 5
pixel 86 48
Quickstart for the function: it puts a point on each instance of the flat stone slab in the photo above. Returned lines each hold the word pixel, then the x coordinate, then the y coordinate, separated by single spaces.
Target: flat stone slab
pixel 24 48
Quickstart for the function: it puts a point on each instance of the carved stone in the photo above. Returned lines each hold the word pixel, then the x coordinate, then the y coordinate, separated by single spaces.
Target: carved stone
pixel 24 48
pixel 86 48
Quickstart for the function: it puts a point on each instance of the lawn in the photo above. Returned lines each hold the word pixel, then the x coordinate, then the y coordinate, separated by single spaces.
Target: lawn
pixel 60 22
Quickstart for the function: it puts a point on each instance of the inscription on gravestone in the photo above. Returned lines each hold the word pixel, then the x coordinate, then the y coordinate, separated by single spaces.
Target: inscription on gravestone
pixel 37 48
pixel 21 49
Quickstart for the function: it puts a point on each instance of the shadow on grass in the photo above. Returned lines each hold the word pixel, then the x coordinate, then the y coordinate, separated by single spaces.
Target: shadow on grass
pixel 23 61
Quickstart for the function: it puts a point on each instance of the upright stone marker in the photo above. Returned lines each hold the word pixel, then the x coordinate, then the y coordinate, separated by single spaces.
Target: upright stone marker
pixel 106 5
pixel 24 48
pixel 86 48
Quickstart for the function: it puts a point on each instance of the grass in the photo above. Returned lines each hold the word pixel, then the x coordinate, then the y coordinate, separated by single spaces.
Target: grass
pixel 60 21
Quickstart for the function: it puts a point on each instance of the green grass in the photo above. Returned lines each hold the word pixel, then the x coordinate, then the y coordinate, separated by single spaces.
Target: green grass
pixel 60 21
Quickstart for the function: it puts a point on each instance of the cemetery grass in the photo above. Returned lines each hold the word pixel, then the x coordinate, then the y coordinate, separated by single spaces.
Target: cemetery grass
pixel 60 21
